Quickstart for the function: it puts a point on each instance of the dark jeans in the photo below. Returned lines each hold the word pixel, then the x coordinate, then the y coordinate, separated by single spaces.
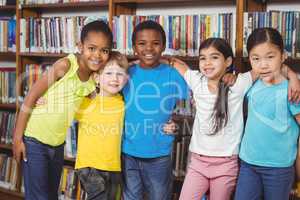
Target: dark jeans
pixel 152 176
pixel 256 182
pixel 42 171
pixel 98 184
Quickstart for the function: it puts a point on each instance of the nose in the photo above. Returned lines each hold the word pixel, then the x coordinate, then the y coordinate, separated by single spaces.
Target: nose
pixel 149 47
pixel 263 64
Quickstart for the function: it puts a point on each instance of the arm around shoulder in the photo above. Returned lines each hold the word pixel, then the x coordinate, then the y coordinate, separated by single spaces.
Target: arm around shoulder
pixel 179 65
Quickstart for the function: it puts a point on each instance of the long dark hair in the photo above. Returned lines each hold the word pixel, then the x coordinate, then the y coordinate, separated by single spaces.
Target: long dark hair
pixel 220 111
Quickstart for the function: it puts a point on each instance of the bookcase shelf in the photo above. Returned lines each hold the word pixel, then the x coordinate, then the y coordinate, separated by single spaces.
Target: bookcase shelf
pixel 92 4
pixel 46 55
pixel 6 146
pixel 170 1
pixel 6 194
pixel 8 8
pixel 9 106
pixel 8 56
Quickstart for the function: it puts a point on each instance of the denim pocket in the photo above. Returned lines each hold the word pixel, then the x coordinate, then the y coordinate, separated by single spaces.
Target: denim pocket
pixel 92 180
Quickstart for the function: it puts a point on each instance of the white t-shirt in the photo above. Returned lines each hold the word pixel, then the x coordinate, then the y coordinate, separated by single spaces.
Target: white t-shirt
pixel 226 142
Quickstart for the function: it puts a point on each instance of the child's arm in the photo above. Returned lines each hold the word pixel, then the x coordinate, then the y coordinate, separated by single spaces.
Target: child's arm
pixel 58 70
pixel 179 65
pixel 294 84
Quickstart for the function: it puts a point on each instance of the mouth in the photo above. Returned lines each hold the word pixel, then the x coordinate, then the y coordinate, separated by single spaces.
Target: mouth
pixel 265 74
pixel 95 62
pixel 149 56
pixel 208 70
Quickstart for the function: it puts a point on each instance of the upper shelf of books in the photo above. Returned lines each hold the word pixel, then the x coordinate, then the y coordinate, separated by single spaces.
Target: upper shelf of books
pixel 170 1
pixel 68 5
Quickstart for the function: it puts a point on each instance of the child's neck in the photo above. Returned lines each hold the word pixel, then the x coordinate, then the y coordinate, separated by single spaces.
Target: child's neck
pixel 103 93
pixel 213 85
pixel 275 80
pixel 82 72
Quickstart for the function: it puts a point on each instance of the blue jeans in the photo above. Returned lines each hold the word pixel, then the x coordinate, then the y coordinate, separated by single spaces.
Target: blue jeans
pixel 151 177
pixel 269 183
pixel 42 171
pixel 99 184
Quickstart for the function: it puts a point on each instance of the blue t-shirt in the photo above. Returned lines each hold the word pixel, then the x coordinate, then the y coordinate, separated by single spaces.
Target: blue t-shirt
pixel 150 97
pixel 271 131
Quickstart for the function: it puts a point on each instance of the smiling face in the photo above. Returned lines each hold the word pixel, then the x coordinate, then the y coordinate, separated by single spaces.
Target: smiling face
pixel 112 79
pixel 95 51
pixel 212 63
pixel 266 59
pixel 148 47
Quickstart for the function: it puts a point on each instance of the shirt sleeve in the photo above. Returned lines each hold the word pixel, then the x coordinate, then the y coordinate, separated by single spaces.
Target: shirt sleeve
pixel 243 83
pixel 191 77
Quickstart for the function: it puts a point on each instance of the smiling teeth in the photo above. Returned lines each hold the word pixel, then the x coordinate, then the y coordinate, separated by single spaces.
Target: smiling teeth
pixel 95 62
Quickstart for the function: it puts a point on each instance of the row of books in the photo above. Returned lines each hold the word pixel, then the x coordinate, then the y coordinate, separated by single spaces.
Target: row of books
pixel 183 33
pixel 286 22
pixel 7 34
pixel 8 172
pixel 7 2
pixel 28 2
pixel 7 85
pixel 51 34
pixel 32 73
pixel 69 185
pixel 7 122
pixel 71 141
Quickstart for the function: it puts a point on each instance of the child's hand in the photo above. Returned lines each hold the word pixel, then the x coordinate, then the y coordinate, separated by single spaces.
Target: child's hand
pixel 19 150
pixel 229 79
pixel 41 101
pixel 134 62
pixel 294 90
pixel 164 60
pixel 170 128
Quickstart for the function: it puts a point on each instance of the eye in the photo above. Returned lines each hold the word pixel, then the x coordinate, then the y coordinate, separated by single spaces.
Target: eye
pixel 215 57
pixel 108 73
pixel 201 58
pixel 254 58
pixel 92 49
pixel 120 74
pixel 141 43
pixel 105 51
pixel 270 56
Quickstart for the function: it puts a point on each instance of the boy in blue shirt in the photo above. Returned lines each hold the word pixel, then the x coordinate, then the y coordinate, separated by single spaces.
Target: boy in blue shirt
pixel 150 97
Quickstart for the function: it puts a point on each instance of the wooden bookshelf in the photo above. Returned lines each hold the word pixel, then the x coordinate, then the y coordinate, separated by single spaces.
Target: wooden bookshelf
pixel 63 6
pixel 6 146
pixel 45 55
pixel 8 8
pixel 171 1
pixel 6 194
pixel 8 106
pixel 8 56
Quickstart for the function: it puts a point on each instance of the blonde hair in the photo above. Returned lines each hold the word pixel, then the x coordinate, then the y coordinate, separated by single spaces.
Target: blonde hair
pixel 115 57
pixel 119 59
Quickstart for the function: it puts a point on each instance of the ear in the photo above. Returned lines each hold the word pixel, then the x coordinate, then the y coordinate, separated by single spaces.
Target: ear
pixel 284 57
pixel 80 47
pixel 228 61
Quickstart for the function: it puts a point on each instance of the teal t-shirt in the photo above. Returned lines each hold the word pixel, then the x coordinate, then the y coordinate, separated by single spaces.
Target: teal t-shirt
pixel 271 132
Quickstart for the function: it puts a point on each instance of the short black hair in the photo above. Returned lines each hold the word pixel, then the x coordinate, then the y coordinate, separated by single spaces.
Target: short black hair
pixel 97 26
pixel 149 24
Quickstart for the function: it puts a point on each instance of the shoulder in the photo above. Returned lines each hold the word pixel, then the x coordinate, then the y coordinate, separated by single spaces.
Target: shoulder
pixel 62 66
